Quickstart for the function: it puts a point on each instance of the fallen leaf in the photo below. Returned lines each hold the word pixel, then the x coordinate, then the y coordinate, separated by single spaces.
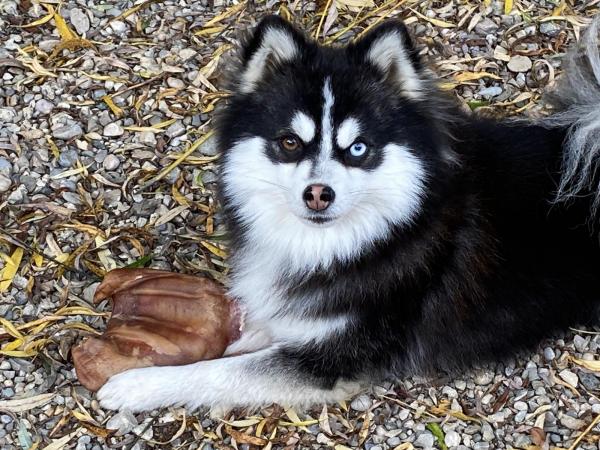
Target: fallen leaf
pixel 357 3
pixel 471 76
pixel 58 444
pixel 243 438
pixel 436 22
pixel 10 269
pixel 590 365
pixel 538 436
pixel 47 18
pixel 65 32
pixel 114 108
pixel 25 404
pixel 438 433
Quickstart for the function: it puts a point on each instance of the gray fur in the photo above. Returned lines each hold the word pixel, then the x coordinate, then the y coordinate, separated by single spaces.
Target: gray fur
pixel 577 99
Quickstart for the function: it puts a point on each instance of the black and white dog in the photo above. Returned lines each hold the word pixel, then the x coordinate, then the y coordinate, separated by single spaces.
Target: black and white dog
pixel 378 230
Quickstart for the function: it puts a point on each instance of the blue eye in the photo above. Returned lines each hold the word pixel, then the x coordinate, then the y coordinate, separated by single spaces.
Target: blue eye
pixel 358 149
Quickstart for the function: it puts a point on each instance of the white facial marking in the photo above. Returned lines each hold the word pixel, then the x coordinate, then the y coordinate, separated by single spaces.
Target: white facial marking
pixel 389 50
pixel 303 126
pixel 275 42
pixel 326 126
pixel 348 132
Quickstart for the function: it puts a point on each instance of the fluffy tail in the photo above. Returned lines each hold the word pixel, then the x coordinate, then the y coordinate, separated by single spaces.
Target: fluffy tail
pixel 577 100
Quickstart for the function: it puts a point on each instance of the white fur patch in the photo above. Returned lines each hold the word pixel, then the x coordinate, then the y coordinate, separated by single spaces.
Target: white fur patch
pixel 348 132
pixel 303 126
pixel 388 51
pixel 281 238
pixel 276 43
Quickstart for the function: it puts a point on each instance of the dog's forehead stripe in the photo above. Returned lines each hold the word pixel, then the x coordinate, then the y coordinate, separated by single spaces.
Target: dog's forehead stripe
pixel 348 131
pixel 326 150
pixel 303 126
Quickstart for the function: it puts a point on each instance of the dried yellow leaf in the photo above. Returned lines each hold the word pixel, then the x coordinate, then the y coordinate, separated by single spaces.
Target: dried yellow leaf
pixel 356 3
pixel 71 45
pixel 405 446
pixel 78 311
pixel 590 365
pixel 436 22
pixel 245 423
pixel 471 76
pixel 34 65
pixel 43 20
pixel 114 108
pixel 53 147
pixel 65 32
pixel 560 9
pixel 208 31
pixel 164 124
pixel 25 404
pixel 228 12
pixel 170 215
pixel 18 353
pixel 178 196
pixel 85 228
pixel 35 345
pixel 104 255
pixel 71 172
pixel 215 251
pixel 10 269
pixel 96 76
pixel 13 345
pixel 58 444
pixel 163 173
pixel 508 6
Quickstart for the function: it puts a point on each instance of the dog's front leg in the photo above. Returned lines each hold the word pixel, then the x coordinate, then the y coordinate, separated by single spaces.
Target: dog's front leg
pixel 254 379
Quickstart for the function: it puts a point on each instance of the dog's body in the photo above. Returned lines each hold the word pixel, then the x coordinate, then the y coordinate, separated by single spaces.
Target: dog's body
pixel 376 229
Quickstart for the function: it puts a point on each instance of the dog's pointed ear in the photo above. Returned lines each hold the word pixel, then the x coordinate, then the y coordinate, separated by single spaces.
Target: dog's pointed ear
pixel 274 42
pixel 390 49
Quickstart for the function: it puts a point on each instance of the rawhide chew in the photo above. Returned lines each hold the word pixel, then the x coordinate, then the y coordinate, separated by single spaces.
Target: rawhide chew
pixel 159 318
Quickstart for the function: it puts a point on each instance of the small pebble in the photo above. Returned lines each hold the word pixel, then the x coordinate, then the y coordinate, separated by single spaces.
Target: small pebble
pixel 113 130
pixel 111 162
pixel 43 106
pixel 549 354
pixel 80 21
pixel 5 183
pixel 361 403
pixel 519 63
pixel 175 83
pixel 452 439
pixel 425 440
pixel 569 377
pixel 68 132
pixel 572 423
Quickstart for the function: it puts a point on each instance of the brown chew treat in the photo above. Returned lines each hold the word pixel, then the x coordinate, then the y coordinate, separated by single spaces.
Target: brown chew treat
pixel 159 318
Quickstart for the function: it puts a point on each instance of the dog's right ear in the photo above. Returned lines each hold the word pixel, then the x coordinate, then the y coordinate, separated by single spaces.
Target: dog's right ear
pixel 274 42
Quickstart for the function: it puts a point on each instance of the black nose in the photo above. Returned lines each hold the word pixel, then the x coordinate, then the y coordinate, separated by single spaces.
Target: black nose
pixel 318 197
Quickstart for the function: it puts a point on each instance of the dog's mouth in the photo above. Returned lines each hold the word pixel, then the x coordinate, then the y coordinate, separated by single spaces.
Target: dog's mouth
pixel 320 220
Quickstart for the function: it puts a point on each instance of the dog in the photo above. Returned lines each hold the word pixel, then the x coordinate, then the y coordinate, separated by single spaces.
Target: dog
pixel 378 230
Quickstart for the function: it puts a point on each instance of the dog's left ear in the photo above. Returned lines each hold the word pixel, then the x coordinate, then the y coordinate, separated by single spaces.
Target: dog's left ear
pixel 390 49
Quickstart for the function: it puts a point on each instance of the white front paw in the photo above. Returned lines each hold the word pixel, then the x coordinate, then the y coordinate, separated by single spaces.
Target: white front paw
pixel 138 390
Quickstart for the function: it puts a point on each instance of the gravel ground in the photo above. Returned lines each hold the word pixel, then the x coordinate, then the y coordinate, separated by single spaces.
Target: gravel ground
pixel 106 160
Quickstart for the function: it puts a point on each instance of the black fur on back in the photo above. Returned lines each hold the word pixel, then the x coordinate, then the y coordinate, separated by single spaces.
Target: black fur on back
pixel 489 266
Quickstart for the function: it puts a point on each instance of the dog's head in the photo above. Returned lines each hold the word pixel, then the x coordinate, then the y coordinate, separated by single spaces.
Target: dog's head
pixel 326 150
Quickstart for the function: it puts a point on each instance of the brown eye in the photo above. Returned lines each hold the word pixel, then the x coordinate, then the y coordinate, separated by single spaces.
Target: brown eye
pixel 289 143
